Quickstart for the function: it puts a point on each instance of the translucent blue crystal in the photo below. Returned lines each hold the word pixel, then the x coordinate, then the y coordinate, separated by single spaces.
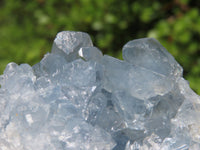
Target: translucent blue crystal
pixel 68 43
pixel 76 98
pixel 150 54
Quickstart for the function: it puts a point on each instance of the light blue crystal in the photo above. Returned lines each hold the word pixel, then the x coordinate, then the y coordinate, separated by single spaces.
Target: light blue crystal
pixel 90 53
pixel 69 42
pixel 135 77
pixel 150 54
pixel 76 98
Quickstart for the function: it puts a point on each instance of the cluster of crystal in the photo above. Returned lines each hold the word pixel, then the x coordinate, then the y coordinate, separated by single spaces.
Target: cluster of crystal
pixel 75 98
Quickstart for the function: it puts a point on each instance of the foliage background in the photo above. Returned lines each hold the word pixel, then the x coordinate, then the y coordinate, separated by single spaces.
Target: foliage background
pixel 27 28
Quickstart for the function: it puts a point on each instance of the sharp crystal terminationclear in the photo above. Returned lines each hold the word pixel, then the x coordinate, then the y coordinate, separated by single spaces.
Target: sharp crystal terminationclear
pixel 76 98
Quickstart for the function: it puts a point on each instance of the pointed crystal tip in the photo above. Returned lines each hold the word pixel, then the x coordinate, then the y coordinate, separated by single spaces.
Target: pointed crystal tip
pixel 70 41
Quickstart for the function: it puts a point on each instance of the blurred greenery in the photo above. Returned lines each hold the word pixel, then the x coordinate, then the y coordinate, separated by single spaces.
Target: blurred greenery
pixel 27 28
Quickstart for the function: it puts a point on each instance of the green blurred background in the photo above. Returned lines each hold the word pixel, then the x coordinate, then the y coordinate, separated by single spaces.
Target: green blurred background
pixel 27 28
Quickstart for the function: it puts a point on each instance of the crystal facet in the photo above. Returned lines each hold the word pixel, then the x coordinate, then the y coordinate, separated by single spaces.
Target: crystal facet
pixel 150 54
pixel 68 43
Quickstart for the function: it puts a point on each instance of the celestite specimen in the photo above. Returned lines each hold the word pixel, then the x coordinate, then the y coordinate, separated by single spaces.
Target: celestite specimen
pixel 76 98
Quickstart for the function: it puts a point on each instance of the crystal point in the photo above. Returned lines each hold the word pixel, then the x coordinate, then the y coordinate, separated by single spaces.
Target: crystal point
pixel 150 54
pixel 68 43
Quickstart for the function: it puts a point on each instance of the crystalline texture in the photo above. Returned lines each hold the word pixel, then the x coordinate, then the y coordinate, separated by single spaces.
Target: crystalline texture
pixel 76 98
pixel 69 42
pixel 134 75
pixel 150 54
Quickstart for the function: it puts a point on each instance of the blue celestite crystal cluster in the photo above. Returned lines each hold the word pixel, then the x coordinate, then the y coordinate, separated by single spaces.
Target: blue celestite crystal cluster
pixel 75 98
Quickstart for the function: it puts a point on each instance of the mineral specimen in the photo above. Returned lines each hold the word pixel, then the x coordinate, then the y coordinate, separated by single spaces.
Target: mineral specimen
pixel 76 98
